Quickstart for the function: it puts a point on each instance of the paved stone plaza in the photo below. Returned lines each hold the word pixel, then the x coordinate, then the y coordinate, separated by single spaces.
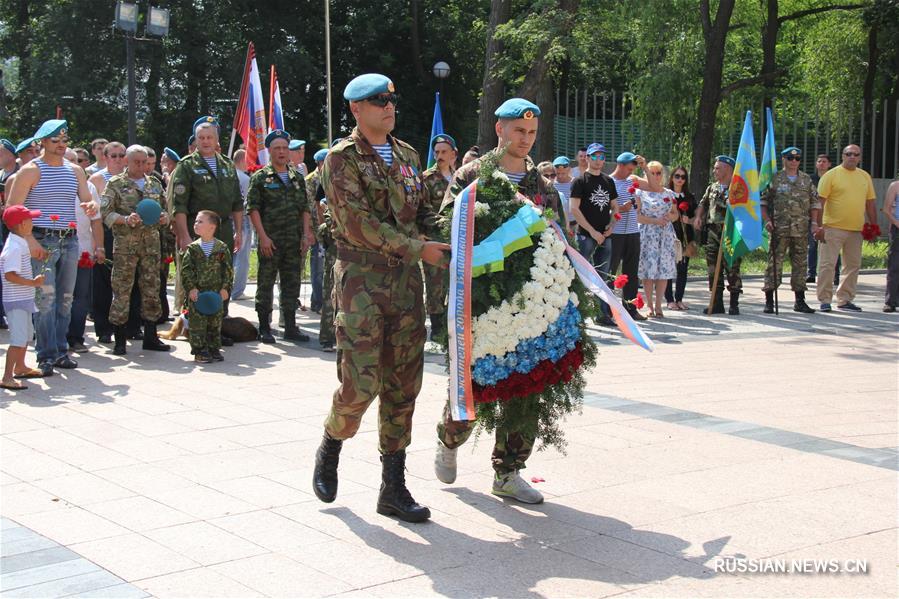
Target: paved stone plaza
pixel 750 441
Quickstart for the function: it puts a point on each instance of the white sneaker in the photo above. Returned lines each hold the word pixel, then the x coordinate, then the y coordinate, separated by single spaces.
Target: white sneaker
pixel 513 486
pixel 445 463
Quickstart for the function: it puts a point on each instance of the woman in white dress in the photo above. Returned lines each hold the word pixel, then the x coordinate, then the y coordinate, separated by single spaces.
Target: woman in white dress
pixel 656 210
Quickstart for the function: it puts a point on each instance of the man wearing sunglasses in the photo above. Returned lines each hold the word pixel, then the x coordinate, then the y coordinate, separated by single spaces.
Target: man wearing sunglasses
pixel 847 195
pixel 53 186
pixel 788 205
pixel 379 222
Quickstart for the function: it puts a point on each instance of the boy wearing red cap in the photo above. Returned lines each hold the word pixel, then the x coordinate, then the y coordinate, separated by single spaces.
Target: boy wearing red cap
pixel 18 294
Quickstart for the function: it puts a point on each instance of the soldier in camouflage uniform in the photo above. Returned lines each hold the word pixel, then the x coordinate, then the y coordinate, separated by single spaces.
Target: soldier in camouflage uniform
pixel 711 213
pixel 374 189
pixel 276 203
pixel 436 179
pixel 516 128
pixel 202 271
pixel 136 248
pixel 789 204
pixel 322 227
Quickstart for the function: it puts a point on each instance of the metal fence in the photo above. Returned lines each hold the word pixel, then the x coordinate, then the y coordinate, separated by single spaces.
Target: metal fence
pixel 816 127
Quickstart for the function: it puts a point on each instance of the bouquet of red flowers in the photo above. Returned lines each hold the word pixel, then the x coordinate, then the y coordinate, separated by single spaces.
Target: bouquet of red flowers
pixel 870 231
pixel 85 261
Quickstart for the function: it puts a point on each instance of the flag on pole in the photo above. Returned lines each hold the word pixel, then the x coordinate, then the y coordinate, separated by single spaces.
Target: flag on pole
pixel 275 115
pixel 436 128
pixel 769 154
pixel 249 118
pixel 743 224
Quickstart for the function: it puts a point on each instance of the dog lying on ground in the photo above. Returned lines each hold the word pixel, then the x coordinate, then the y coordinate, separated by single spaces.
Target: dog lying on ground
pixel 237 328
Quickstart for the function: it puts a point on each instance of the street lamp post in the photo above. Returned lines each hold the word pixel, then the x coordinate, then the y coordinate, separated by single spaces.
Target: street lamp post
pixel 441 71
pixel 127 15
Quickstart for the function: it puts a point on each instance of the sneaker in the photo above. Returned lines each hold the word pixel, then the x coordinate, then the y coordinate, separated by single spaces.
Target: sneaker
pixel 445 463
pixel 46 368
pixel 849 307
pixel 65 362
pixel 77 347
pixel 203 357
pixel 825 308
pixel 511 485
pixel 328 348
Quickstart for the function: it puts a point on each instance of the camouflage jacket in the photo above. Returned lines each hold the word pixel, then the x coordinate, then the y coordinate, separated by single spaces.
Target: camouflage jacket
pixel 120 199
pixel 788 203
pixel 207 274
pixel 312 181
pixel 715 197
pixel 374 207
pixel 280 206
pixel 532 186
pixel 193 187
pixel 435 187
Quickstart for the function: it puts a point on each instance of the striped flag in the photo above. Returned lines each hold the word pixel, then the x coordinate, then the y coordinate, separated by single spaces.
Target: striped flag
pixel 275 115
pixel 249 119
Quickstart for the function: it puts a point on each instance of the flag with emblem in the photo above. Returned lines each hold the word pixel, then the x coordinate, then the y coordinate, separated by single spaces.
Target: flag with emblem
pixel 743 230
pixel 436 129
pixel 275 114
pixel 769 155
pixel 249 118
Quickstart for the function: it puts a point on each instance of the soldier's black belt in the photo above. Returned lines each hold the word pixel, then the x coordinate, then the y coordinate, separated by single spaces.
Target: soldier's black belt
pixel 368 258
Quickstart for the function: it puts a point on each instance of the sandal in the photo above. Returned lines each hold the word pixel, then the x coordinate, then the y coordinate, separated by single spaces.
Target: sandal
pixel 673 306
pixel 682 306
pixel 31 373
pixel 17 387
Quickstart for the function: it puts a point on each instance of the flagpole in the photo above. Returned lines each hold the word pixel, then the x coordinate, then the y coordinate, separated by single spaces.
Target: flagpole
pixel 717 274
pixel 328 64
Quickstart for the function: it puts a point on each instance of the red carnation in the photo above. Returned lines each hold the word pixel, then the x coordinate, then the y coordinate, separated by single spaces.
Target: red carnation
pixel 168 260
pixel 73 224
pixel 632 189
pixel 54 217
pixel 667 200
pixel 617 216
pixel 85 261
pixel 683 206
pixel 620 281
pixel 638 301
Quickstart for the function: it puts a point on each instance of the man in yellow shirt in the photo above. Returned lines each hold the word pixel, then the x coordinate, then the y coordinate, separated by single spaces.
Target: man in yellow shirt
pixel 847 195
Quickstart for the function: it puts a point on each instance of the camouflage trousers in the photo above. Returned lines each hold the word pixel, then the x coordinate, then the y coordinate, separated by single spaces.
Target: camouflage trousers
pixel 731 273
pixel 326 323
pixel 798 249
pixel 284 261
pixel 380 334
pixel 204 332
pixel 436 288
pixel 510 451
pixel 125 269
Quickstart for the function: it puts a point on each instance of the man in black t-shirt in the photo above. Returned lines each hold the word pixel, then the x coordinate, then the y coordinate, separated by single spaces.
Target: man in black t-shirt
pixel 593 205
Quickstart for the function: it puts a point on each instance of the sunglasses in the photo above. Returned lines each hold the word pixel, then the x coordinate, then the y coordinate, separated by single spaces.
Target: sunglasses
pixel 60 139
pixel 116 156
pixel 793 158
pixel 679 176
pixel 80 160
pixel 550 175
pixel 853 154
pixel 381 100
pixel 656 173
pixel 597 157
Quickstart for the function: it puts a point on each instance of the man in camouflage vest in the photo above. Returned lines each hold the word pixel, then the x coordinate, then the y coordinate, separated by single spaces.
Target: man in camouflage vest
pixel 136 248
pixel 276 203
pixel 788 204
pixel 436 179
pixel 711 213
pixel 374 190
pixel 516 128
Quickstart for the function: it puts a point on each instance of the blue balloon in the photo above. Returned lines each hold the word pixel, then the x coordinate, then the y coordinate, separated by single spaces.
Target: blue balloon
pixel 149 211
pixel 208 303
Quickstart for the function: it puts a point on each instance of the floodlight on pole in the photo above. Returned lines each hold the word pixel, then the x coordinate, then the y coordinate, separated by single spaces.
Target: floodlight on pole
pixel 158 21
pixel 126 16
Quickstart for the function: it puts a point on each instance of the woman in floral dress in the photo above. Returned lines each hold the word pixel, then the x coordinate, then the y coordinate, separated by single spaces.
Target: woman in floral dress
pixel 656 209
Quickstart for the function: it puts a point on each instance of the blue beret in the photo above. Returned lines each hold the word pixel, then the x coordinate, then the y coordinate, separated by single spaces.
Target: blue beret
pixel 205 119
pixel 320 155
pixel 208 303
pixel 596 148
pixel 296 144
pixel 517 108
pixel 726 160
pixel 171 154
pixel 276 134
pixel 561 161
pixel 24 144
pixel 8 145
pixel 149 211
pixel 336 141
pixel 191 140
pixel 791 151
pixel 443 138
pixel 51 128
pixel 366 86
pixel 625 157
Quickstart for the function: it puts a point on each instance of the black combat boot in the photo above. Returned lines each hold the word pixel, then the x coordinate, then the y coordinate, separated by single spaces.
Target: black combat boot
pixel 120 340
pixel 395 499
pixel 717 305
pixel 291 331
pixel 324 477
pixel 734 309
pixel 769 302
pixel 265 326
pixel 800 305
pixel 151 338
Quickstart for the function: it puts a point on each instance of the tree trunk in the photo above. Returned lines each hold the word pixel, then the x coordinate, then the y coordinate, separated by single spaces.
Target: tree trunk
pixel 870 76
pixel 23 101
pixel 153 82
pixel 704 131
pixel 546 99
pixel 415 41
pixel 493 87
pixel 770 31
